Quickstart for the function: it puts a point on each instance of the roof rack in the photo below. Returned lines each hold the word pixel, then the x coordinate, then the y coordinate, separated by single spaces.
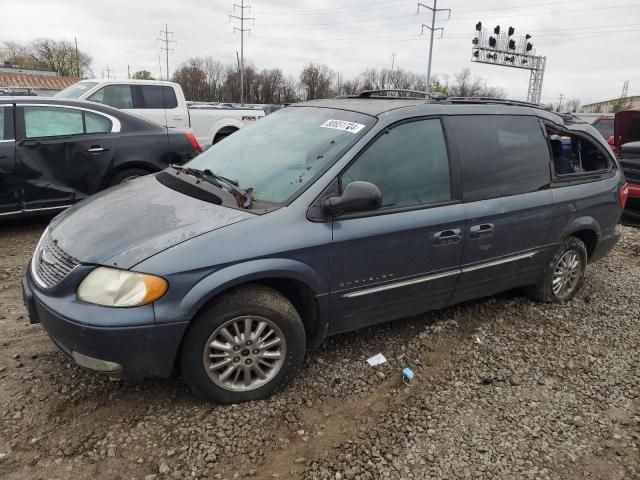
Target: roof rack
pixel 500 101
pixel 403 94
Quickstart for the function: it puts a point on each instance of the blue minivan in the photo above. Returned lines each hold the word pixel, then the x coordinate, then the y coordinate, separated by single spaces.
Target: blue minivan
pixel 324 217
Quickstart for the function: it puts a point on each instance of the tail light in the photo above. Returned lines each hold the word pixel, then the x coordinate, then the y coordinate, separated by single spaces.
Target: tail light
pixel 623 193
pixel 193 141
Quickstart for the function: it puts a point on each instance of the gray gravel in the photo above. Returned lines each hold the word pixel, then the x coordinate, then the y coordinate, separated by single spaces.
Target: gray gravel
pixel 504 388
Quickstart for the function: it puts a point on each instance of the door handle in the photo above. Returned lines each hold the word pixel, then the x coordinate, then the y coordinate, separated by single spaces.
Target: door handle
pixel 178 118
pixel 482 230
pixel 446 237
pixel 97 149
pixel 3 157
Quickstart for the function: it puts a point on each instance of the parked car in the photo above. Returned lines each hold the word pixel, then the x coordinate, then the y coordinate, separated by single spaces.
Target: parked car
pixel 324 217
pixel 164 103
pixel 602 122
pixel 626 128
pixel 630 163
pixel 55 152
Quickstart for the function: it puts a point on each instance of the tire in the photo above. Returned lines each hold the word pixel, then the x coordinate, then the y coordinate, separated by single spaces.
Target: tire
pixel 572 249
pixel 126 175
pixel 206 344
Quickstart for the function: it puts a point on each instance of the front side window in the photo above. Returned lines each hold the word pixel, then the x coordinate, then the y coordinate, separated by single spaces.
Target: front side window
pixel 282 153
pixel 155 96
pixel 501 155
pixel 116 96
pixel 52 122
pixel 408 163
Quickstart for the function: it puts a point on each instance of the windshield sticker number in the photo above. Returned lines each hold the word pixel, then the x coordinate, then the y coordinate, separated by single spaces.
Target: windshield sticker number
pixel 352 127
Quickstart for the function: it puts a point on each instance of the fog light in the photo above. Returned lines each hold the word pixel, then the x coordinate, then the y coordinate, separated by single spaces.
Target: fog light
pixel 95 363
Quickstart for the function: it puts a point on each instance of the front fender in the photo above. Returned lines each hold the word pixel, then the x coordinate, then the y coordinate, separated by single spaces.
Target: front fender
pixel 221 280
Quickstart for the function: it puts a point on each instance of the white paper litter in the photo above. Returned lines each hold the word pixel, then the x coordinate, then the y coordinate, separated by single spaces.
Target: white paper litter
pixel 376 360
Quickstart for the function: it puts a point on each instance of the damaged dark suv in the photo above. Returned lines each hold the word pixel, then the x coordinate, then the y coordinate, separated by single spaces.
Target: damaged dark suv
pixel 324 217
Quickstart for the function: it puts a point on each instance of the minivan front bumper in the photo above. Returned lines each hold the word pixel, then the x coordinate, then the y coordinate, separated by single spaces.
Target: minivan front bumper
pixel 121 351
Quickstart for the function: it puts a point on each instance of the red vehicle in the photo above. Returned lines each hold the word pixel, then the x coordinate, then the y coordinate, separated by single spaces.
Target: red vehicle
pixel 626 129
pixel 630 163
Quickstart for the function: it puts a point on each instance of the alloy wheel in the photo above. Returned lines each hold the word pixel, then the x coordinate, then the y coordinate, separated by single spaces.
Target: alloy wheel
pixel 244 353
pixel 567 274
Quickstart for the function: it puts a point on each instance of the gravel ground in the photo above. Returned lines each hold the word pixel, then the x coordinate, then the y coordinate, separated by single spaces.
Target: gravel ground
pixel 504 388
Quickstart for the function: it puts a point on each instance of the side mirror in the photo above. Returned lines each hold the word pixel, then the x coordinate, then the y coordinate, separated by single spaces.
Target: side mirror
pixel 357 197
pixel 611 141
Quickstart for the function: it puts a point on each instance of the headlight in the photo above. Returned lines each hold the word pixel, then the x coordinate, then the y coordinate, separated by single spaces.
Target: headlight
pixel 113 287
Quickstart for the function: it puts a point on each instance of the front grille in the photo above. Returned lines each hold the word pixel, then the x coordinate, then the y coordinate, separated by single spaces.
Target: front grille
pixel 51 264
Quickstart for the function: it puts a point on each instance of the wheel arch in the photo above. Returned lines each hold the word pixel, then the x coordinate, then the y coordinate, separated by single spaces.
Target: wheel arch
pixel 296 281
pixel 128 165
pixel 586 229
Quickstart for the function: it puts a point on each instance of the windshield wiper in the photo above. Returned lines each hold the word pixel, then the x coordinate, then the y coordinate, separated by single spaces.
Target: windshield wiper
pixel 242 197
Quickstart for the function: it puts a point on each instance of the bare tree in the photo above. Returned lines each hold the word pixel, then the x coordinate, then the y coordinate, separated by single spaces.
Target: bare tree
pixel 142 75
pixel 573 105
pixel 316 80
pixel 192 79
pixel 13 53
pixel 59 56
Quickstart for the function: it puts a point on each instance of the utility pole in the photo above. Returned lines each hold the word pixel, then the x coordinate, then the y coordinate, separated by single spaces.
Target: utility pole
pixel 165 33
pixel 77 59
pixel 108 70
pixel 393 60
pixel 560 103
pixel 128 72
pixel 433 29
pixel 242 19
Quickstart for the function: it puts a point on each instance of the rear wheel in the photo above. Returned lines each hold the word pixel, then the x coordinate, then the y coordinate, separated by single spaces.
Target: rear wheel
pixel 126 175
pixel 564 274
pixel 245 346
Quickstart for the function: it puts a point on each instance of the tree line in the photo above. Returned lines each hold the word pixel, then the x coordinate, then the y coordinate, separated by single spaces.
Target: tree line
pixel 208 80
pixel 60 56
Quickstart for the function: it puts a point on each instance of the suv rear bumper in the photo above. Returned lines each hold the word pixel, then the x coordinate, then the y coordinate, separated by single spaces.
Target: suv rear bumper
pixel 127 352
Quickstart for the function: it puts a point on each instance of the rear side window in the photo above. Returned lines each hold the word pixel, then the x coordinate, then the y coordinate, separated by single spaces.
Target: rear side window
pixel 154 96
pixel 408 163
pixel 116 96
pixel 501 155
pixel 96 123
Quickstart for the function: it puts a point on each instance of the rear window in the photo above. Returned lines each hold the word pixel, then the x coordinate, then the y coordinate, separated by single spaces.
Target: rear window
pixel 76 90
pixel 501 155
pixel 604 126
pixel 154 96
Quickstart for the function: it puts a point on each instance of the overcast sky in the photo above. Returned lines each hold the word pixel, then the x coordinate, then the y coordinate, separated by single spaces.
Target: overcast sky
pixel 592 46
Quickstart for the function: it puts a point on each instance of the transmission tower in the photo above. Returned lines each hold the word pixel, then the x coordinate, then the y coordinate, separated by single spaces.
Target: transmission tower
pixel 165 39
pixel 434 10
pixel 625 89
pixel 242 18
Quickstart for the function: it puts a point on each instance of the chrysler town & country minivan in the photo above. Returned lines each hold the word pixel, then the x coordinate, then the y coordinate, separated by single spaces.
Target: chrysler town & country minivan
pixel 324 217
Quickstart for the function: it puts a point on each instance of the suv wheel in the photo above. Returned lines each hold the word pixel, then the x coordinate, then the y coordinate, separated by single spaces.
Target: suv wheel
pixel 563 275
pixel 245 346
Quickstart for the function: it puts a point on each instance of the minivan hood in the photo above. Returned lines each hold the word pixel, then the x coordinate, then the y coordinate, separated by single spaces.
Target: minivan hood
pixel 127 224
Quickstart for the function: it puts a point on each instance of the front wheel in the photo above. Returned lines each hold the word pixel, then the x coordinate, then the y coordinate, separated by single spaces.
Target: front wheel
pixel 248 344
pixel 564 274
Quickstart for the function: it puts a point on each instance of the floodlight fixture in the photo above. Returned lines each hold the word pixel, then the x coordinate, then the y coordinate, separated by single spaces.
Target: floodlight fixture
pixel 497 30
pixel 478 26
pixel 511 31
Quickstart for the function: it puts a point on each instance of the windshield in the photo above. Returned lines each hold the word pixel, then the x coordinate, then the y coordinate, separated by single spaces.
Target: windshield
pixel 282 153
pixel 76 90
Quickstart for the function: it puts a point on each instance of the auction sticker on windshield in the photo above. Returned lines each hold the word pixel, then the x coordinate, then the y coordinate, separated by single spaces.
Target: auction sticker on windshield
pixel 352 127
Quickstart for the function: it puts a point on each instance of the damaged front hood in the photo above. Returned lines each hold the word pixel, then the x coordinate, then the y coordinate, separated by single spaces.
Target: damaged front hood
pixel 129 223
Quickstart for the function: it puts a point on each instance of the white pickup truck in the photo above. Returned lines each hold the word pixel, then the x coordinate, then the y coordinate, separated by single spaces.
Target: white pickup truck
pixel 164 103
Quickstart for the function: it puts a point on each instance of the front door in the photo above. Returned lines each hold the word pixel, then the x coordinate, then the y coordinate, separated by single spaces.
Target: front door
pixel 9 183
pixel 404 258
pixel 506 178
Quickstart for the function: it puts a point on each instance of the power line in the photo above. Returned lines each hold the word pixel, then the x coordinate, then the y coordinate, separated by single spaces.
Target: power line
pixel 166 47
pixel 242 19
pixel 434 10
